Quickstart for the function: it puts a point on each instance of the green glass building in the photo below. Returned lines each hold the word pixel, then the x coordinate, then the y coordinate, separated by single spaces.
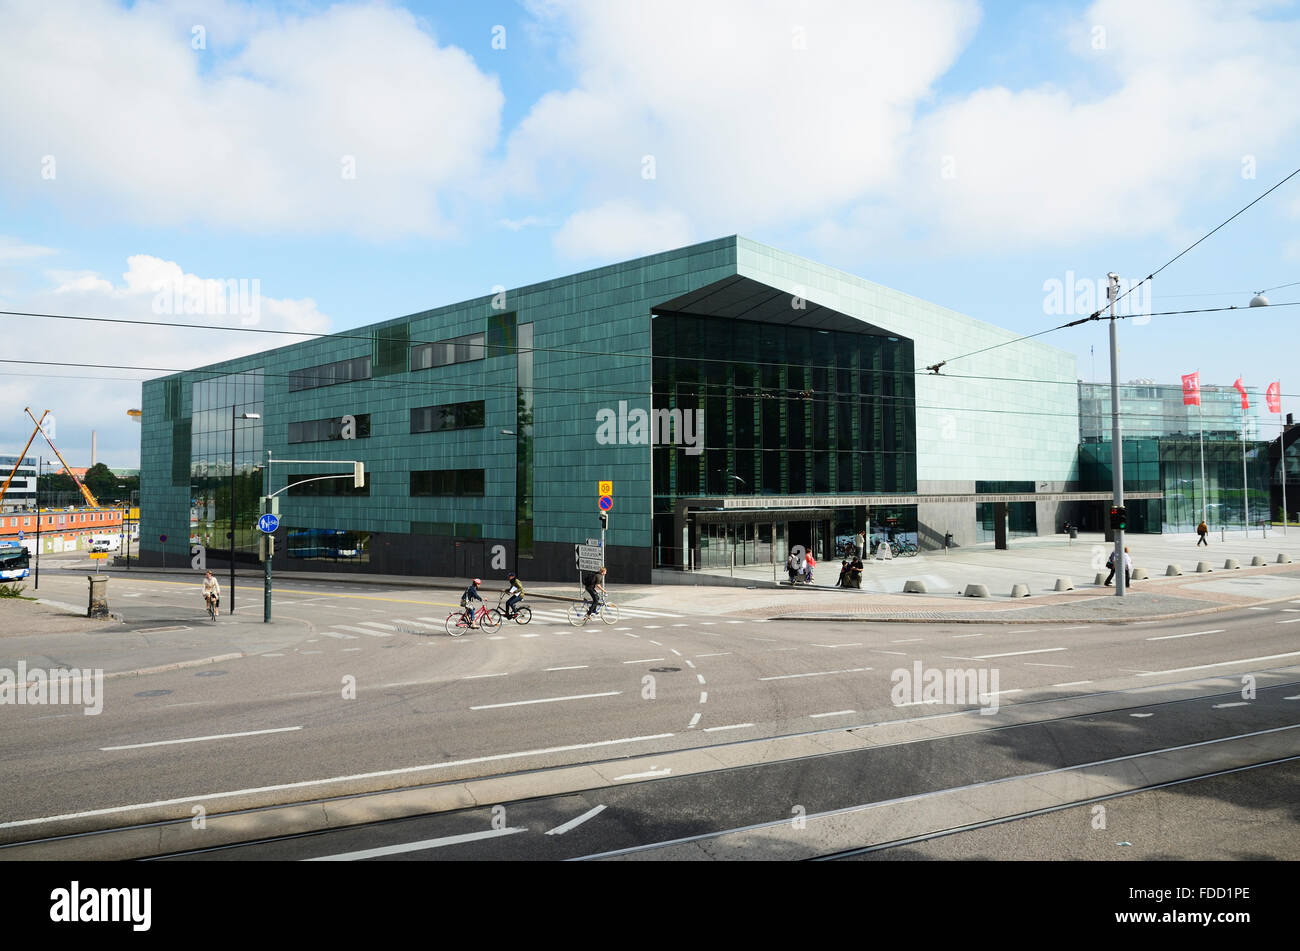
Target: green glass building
pixel 740 399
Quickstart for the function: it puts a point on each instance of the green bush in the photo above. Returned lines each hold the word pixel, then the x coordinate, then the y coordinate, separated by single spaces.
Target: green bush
pixel 11 590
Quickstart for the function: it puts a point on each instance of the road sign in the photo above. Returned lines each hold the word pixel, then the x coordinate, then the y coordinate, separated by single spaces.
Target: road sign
pixel 20 536
pixel 99 554
pixel 268 523
pixel 588 557
pixel 162 538
pixel 605 488
pixel 606 503
pixel 594 541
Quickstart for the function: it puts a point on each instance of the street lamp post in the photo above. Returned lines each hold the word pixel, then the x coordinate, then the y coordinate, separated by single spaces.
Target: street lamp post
pixel 40 461
pixel 232 497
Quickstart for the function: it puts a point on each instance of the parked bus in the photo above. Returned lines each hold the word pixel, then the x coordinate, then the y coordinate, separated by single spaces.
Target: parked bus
pixel 15 562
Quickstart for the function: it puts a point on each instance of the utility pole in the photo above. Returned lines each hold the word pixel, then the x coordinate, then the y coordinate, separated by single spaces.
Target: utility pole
pixel 1116 446
pixel 40 462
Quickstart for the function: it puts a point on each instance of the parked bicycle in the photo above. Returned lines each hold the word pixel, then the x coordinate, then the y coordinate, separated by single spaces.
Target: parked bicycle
pixel 606 610
pixel 457 624
pixel 521 615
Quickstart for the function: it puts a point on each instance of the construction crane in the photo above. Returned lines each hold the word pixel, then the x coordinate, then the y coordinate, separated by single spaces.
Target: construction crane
pixel 5 488
pixel 85 492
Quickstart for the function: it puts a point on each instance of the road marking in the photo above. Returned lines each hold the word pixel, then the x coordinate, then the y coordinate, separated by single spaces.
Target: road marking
pixel 704 696
pixel 980 634
pixel 819 673
pixel 1073 683
pixel 349 637
pixel 497 637
pixel 833 713
pixel 524 703
pixel 579 667
pixel 678 653
pixel 736 622
pixel 656 644
pixel 998 693
pixel 1257 609
pixel 1296 697
pixel 1291 610
pixel 720 654
pixel 1079 627
pixel 1222 663
pixel 363 630
pixel 1141 716
pixel 688 663
pixel 645 775
pixel 708 623
pixel 574 823
pixel 898 653
pixel 200 739
pixel 652 627
pixel 1041 650
pixel 530 635
pixel 701 677
pixel 679 625
pixel 625 634
pixel 648 660
pixel 481 676
pixel 1224 706
pixel 733 726
pixel 908 640
pixel 837 645
pixel 382 627
pixel 768 650
pixel 417 846
pixel 694 720
pixel 278 655
pixel 310 652
pixel 1294 620
pixel 347 649
pixel 1169 637
pixel 1030 663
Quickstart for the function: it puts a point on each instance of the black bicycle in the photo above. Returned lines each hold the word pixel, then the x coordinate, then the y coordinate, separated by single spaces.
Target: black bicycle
pixel 521 615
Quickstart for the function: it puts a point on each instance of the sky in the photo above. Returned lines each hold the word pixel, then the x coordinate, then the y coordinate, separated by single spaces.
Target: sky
pixel 319 167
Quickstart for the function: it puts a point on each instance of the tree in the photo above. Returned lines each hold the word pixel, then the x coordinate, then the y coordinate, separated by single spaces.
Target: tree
pixel 102 483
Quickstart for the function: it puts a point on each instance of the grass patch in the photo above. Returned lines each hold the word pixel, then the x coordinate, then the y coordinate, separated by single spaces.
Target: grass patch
pixel 11 590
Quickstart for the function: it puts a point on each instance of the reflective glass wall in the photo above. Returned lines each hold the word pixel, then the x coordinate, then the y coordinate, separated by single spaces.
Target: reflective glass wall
pixel 218 405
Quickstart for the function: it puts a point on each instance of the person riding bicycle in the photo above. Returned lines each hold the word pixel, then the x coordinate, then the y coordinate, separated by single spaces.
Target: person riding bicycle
pixel 592 582
pixel 212 592
pixel 471 594
pixel 516 592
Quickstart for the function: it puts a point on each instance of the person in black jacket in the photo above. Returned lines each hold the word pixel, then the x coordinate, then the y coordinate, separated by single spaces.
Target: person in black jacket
pixel 593 581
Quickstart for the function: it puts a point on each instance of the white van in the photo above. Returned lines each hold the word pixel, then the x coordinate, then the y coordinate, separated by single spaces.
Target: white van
pixel 104 543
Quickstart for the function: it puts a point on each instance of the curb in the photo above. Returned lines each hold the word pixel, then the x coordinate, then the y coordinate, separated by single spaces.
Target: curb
pixel 164 667
pixel 999 620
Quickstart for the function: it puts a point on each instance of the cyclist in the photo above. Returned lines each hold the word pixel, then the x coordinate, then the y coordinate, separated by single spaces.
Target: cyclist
pixel 471 594
pixel 593 582
pixel 516 592
pixel 212 592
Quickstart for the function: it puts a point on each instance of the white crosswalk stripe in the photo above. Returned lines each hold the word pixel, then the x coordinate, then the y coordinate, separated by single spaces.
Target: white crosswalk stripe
pixel 400 621
pixel 336 634
pixel 382 627
pixel 363 630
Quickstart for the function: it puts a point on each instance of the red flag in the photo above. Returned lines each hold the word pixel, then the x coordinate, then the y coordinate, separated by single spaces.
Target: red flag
pixel 1274 397
pixel 1241 388
pixel 1191 389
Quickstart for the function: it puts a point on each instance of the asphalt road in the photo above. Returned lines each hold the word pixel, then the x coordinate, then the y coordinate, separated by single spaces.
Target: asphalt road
pixel 356 688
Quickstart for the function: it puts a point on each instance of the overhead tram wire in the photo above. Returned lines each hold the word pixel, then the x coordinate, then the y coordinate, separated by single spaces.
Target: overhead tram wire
pixel 1096 315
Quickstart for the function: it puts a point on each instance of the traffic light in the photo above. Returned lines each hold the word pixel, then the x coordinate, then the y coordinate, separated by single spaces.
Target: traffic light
pixel 1118 517
pixel 604 520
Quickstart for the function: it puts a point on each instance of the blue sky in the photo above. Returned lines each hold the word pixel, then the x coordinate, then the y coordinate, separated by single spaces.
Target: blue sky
pixel 970 154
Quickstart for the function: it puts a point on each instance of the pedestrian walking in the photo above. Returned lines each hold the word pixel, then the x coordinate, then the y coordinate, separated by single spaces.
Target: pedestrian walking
pixel 1128 568
pixel 1203 530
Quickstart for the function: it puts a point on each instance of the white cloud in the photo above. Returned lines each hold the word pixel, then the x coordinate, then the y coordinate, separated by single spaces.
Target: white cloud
pixel 261 129
pixel 749 112
pixel 147 289
pixel 620 229
pixel 13 251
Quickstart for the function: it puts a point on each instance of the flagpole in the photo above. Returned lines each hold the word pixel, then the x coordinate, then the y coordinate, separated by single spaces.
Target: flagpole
pixel 1205 489
pixel 1245 486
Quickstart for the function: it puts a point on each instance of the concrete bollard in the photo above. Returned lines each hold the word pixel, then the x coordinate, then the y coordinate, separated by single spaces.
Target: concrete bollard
pixel 1020 591
pixel 1284 559
pixel 1100 579
pixel 1064 584
pixel 977 591
pixel 1173 570
pixel 1232 563
pixel 1138 574
pixel 1257 561
pixel 913 587
pixel 1202 567
pixel 98 606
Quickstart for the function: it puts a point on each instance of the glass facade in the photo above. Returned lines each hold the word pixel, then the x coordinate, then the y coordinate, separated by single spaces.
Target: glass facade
pixel 1149 409
pixel 524 444
pixel 1172 465
pixel 216 406
pixel 1022 517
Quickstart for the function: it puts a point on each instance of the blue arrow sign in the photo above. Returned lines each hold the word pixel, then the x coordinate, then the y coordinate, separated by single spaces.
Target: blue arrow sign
pixel 268 523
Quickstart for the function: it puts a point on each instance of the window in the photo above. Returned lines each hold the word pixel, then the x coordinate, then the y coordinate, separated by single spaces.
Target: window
pixel 329 544
pixel 326 488
pixel 447 482
pixel 449 416
pixel 464 349
pixel 324 430
pixel 27 521
pixel 330 374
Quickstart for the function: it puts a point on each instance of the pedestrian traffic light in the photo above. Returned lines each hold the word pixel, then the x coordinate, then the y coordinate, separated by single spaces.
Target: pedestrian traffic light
pixel 604 520
pixel 1118 517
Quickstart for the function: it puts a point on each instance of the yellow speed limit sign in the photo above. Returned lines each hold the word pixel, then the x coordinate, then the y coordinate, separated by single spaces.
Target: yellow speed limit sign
pixel 605 488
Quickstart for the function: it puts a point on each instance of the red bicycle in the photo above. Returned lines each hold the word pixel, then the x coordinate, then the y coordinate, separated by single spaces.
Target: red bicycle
pixel 457 624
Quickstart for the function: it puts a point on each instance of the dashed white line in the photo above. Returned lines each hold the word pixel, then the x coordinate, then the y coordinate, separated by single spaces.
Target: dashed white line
pixel 690 664
pixel 700 677
pixel 733 726
pixel 578 667
pixel 837 645
pixel 1294 620
pixel 1224 706
pixel 1073 683
pixel 694 720
pixel 523 703
pixel 646 775
pixel 481 676
pixel 677 652
pixel 199 739
pixel 718 654
pixel 908 640
pixel 646 660
pixel 1041 650
pixel 417 846
pixel 574 823
pixel 704 696
pixel 833 713
pixel 818 673
pixel 1030 663
pixel 656 644
pixel 1222 663
pixel 1170 637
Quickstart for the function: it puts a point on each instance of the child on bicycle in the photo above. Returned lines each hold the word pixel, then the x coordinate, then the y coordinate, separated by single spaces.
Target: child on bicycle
pixel 471 594
pixel 212 592
pixel 516 592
